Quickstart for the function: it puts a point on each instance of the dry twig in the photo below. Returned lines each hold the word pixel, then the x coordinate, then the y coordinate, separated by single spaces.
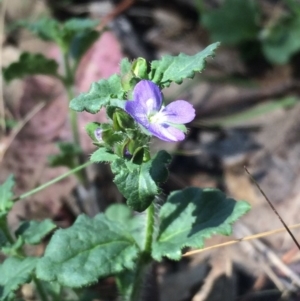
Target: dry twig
pixel 5 144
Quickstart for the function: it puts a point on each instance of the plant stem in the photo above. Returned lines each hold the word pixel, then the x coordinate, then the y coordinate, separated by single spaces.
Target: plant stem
pixel 149 229
pixel 73 118
pixel 45 185
pixel 145 257
pixel 69 83
pixel 40 289
pixel 82 175
pixel 69 75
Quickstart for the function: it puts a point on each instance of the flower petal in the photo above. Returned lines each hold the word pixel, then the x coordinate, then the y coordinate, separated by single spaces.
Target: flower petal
pixel 98 134
pixel 148 95
pixel 179 111
pixel 137 112
pixel 166 132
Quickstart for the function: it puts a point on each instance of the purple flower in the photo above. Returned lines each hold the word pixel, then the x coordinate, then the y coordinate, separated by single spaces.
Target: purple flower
pixel 98 134
pixel 163 122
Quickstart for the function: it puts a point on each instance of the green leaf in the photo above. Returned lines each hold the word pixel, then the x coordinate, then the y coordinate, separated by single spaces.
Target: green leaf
pixel 30 64
pixel 159 171
pixel 117 103
pixel 78 30
pixel 176 68
pixel 13 249
pixel 82 42
pixel 114 140
pixel 65 34
pixel 46 29
pixel 133 223
pixel 125 66
pixel 122 121
pixel 99 95
pixel 236 21
pixel 6 195
pixel 135 183
pixel 119 213
pixel 190 216
pixel 138 183
pixel 67 155
pixel 32 232
pixel 126 74
pixel 282 40
pixel 13 273
pixel 89 249
pixel 102 155
pixel 77 25
pixel 75 31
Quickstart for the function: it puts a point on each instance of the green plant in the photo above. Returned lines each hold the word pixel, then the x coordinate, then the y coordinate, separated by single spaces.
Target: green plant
pixel 237 22
pixel 117 242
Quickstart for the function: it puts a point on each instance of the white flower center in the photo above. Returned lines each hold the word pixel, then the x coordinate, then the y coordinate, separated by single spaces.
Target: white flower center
pixel 157 117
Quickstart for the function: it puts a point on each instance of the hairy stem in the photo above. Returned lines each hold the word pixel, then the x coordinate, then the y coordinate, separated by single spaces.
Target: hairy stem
pixel 149 229
pixel 145 258
pixel 45 185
